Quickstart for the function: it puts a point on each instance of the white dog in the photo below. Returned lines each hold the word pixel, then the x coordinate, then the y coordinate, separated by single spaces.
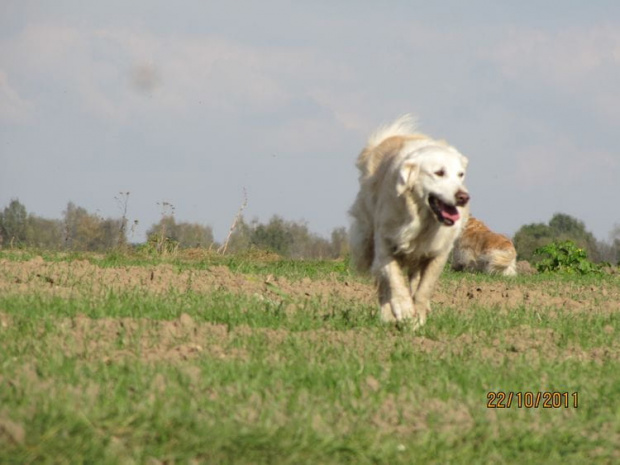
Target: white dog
pixel 411 206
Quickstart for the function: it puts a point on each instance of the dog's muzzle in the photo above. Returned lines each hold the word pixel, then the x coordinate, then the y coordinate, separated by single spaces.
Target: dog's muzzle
pixel 448 214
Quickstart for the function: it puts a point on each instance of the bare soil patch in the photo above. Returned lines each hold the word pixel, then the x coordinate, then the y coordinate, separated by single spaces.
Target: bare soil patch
pixel 65 279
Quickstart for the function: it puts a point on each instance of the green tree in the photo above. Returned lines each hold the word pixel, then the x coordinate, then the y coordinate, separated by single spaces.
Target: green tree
pixel 531 237
pixel 14 224
pixel 194 235
pixel 289 238
pixel 273 236
pixel 609 251
pixel 162 230
pixel 45 233
pixel 86 231
pixel 339 242
pixel 241 236
pixel 307 244
pixel 186 235
pixel 615 245
pixel 565 227
pixel 561 227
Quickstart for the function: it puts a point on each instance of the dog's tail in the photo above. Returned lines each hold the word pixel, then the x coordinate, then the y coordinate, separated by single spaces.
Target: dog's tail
pixel 368 159
pixel 503 262
pixel 404 125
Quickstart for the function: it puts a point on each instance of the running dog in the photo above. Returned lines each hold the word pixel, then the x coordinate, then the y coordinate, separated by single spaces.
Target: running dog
pixel 411 206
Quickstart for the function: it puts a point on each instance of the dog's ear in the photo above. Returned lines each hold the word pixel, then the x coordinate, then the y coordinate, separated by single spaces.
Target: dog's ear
pixel 406 176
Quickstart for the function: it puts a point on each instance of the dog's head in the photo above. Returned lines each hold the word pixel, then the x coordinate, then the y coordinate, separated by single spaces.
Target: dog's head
pixel 436 175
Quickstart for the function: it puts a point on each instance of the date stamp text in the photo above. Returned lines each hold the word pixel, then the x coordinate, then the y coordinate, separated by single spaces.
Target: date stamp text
pixel 528 399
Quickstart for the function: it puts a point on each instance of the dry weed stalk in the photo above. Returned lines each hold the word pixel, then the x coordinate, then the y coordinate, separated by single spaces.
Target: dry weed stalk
pixel 163 244
pixel 233 226
pixel 122 200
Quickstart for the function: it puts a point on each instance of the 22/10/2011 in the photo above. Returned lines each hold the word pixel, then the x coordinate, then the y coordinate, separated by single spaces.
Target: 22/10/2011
pixel 529 399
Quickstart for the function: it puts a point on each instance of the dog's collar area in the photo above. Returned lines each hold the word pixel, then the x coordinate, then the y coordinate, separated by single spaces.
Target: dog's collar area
pixel 445 213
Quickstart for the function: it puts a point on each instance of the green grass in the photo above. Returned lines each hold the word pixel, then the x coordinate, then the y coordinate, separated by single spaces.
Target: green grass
pixel 219 307
pixel 299 380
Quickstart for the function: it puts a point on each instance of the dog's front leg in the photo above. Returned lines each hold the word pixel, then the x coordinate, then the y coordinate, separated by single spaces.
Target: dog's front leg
pixel 427 276
pixel 394 297
pixel 415 274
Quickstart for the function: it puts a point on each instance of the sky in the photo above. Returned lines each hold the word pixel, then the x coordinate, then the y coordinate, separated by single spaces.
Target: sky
pixel 193 103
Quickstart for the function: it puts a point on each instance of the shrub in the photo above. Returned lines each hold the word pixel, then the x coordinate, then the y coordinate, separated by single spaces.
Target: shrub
pixel 159 245
pixel 566 257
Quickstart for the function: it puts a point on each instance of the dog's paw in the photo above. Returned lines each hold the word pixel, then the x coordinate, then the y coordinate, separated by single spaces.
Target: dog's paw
pixel 397 310
pixel 387 315
pixel 418 321
pixel 422 311
pixel 410 324
pixel 408 311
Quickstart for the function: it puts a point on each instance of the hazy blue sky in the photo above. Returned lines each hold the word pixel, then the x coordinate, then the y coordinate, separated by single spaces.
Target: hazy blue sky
pixel 190 102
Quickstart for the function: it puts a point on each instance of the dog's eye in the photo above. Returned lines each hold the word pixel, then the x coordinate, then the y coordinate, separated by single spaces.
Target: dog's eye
pixel 461 174
pixel 440 173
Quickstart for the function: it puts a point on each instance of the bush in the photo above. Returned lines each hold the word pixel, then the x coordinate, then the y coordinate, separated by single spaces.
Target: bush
pixel 566 257
pixel 158 245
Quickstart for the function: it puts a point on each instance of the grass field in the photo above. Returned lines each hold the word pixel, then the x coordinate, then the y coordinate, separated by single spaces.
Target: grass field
pixel 255 359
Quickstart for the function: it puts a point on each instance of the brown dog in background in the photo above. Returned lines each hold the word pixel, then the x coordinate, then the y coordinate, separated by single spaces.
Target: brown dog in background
pixel 480 249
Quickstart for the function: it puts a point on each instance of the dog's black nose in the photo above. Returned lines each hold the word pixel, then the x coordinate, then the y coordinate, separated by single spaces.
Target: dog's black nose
pixel 462 198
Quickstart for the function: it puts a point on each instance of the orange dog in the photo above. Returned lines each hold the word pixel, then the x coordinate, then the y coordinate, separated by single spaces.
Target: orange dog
pixel 480 249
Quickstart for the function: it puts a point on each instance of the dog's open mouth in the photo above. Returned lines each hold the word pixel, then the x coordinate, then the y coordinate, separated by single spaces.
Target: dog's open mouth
pixel 446 214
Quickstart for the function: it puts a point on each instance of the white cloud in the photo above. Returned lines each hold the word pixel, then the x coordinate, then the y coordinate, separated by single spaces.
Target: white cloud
pixel 106 68
pixel 43 46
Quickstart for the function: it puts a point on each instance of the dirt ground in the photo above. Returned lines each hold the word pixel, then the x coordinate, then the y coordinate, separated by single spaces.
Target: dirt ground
pixel 184 338
pixel 66 279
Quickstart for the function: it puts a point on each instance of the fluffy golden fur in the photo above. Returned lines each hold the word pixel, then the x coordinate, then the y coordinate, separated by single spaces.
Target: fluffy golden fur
pixel 480 249
pixel 411 206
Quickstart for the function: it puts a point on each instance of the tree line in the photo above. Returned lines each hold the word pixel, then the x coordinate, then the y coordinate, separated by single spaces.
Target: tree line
pixel 81 230
pixel 563 227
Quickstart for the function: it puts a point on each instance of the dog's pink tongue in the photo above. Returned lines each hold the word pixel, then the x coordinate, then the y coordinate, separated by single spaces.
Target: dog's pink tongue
pixel 450 212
